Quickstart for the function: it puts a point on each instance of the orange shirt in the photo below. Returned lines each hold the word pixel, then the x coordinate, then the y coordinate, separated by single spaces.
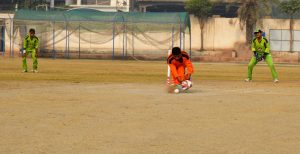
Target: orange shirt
pixel 184 61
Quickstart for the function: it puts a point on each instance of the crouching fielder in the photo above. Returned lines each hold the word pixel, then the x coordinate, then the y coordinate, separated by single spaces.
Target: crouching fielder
pixel 261 51
pixel 181 69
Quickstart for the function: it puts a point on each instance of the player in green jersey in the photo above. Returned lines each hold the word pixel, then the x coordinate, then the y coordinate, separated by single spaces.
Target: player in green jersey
pixel 31 45
pixel 261 51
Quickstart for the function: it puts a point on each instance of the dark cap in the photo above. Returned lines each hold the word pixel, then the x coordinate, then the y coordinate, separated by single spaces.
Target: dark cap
pixel 176 51
pixel 257 31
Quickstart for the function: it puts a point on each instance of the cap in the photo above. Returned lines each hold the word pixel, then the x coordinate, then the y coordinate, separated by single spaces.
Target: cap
pixel 257 31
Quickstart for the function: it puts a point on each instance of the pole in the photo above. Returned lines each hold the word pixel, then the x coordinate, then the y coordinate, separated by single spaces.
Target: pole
pixel 172 36
pixel 51 4
pixel 132 34
pixel 180 36
pixel 66 45
pixel 126 40
pixel 113 49
pixel 190 43
pixel 123 40
pixel 183 40
pixel 79 43
pixel 3 40
pixel 53 40
pixel 78 2
pixel 11 37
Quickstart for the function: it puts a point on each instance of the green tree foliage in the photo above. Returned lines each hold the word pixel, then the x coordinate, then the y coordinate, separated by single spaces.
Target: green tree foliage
pixel 290 7
pixel 27 3
pixel 201 9
pixel 32 3
pixel 251 11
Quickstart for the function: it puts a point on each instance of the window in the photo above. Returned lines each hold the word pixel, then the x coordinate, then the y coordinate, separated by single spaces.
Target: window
pixel 280 40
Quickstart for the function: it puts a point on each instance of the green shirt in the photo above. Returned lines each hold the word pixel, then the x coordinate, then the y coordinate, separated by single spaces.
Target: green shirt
pixel 31 43
pixel 263 46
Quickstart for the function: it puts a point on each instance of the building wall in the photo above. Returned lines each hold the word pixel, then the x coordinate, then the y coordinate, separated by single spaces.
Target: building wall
pixel 226 33
pixel 219 33
pixel 223 38
pixel 268 24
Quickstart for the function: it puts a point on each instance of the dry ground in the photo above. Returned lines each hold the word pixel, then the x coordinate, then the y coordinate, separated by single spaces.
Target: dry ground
pixel 97 106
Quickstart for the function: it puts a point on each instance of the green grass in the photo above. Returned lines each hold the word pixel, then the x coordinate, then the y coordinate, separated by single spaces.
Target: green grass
pixel 148 72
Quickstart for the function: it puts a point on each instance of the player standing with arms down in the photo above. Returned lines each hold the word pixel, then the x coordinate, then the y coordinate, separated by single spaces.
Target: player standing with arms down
pixel 31 45
pixel 261 50
pixel 181 69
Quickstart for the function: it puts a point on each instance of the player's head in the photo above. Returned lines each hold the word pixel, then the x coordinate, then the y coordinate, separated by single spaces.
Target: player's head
pixel 176 52
pixel 31 32
pixel 258 33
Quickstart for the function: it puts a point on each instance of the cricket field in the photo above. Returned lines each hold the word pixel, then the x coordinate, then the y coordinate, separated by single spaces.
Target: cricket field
pixel 106 106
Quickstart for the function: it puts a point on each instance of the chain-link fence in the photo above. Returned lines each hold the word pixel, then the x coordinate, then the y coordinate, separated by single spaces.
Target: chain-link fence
pixel 86 33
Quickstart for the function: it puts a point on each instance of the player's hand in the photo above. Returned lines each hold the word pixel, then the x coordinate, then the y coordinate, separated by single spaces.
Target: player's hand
pixel 179 79
pixel 257 56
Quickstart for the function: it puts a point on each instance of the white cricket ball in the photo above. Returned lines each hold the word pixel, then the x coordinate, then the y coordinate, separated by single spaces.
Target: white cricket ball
pixel 176 91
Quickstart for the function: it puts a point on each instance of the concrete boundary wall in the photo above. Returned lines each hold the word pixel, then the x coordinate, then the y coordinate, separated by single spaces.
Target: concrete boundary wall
pixel 226 33
pixel 224 40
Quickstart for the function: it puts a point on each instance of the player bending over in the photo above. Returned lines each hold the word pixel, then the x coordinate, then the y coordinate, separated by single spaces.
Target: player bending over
pixel 181 69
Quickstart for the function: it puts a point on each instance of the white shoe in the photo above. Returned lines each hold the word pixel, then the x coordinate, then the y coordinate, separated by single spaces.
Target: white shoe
pixel 248 80
pixel 35 71
pixel 276 80
pixel 24 71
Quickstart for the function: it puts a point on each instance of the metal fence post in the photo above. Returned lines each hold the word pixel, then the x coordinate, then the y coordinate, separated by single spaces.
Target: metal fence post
pixel 123 54
pixel 53 40
pixel 11 37
pixel 172 36
pixel 79 42
pixel 113 48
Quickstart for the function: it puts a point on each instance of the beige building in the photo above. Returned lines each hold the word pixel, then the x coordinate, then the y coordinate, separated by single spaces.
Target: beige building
pixel 101 5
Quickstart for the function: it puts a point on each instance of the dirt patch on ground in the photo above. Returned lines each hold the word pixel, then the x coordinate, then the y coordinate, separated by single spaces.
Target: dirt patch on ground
pixel 63 113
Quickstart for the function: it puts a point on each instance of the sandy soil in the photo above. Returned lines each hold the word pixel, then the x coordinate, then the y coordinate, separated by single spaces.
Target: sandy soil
pixel 90 106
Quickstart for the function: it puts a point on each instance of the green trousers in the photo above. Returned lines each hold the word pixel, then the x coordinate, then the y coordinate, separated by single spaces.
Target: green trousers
pixel 34 59
pixel 269 61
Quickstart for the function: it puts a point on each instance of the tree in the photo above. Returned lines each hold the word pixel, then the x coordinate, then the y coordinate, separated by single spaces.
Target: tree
pixel 290 7
pixel 28 4
pixel 201 9
pixel 251 11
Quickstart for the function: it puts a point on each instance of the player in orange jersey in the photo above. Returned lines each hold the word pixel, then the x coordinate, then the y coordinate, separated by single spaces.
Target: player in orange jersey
pixel 181 68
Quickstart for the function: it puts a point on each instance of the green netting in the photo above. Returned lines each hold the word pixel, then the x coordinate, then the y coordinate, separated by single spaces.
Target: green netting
pixel 87 32
pixel 39 15
pixel 94 15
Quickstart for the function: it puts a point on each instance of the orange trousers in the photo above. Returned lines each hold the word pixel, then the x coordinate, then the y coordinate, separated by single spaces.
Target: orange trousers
pixel 181 75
